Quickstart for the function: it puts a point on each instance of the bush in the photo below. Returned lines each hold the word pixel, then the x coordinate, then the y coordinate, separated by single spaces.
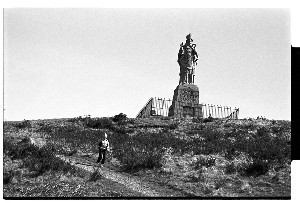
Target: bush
pixel 135 153
pixel 122 130
pixel 23 124
pixel 211 142
pixel 260 150
pixel 131 121
pixel 144 150
pixel 264 147
pixel 36 159
pixel 120 117
pixel 205 161
pixel 46 128
pixel 95 176
pixel 197 120
pixel 227 125
pixel 230 168
pixel 209 119
pixel 79 119
pixel 239 163
pixel 84 139
pixel 98 123
pixel 7 176
pixel 257 168
pixel 165 118
pixel 230 153
pixel 173 126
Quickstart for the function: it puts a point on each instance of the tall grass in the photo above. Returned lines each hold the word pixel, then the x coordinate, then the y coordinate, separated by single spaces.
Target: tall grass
pixel 23 124
pixel 76 138
pixel 145 149
pixel 39 160
pixel 262 147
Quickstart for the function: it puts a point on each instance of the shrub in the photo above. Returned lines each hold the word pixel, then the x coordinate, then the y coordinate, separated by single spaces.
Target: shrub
pixel 219 183
pixel 46 129
pixel 131 121
pixel 173 126
pixel 7 176
pixel 205 161
pixel 230 153
pixel 79 119
pixel 165 118
pixel 122 130
pixel 230 168
pixel 83 139
pixel 95 176
pixel 197 120
pixel 227 125
pixel 209 119
pixel 257 168
pixel 23 124
pixel 36 159
pixel 120 118
pixel 72 120
pixel 239 163
pixel 144 150
pixel 264 147
pixel 165 130
pixel 211 142
pixel 98 123
pixel 262 132
pixel 135 153
pixel 18 150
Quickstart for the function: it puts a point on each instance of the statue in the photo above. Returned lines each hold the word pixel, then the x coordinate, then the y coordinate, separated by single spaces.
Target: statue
pixel 187 60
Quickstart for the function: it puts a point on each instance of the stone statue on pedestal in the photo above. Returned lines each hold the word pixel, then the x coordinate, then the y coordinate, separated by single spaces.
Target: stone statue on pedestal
pixel 185 101
pixel 187 60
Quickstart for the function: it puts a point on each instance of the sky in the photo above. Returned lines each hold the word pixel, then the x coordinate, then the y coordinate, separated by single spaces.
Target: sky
pixel 64 63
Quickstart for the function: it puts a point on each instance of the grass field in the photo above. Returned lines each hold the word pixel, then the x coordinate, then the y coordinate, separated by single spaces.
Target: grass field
pixel 222 157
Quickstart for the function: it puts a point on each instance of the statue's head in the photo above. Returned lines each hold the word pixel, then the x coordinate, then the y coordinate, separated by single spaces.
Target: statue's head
pixel 189 39
pixel 189 36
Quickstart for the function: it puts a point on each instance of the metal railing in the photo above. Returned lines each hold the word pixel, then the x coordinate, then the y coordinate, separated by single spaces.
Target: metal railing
pixel 160 107
pixel 216 111
pixel 155 107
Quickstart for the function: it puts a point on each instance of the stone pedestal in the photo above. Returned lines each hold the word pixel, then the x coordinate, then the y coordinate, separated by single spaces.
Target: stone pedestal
pixel 186 102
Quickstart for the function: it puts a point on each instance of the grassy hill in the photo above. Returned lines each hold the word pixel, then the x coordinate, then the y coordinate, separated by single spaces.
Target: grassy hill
pixel 187 157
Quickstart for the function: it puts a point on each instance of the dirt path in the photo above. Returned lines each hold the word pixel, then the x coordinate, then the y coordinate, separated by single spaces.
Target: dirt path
pixel 130 182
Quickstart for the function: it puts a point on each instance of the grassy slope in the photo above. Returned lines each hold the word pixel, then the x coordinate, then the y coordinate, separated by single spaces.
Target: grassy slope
pixel 219 158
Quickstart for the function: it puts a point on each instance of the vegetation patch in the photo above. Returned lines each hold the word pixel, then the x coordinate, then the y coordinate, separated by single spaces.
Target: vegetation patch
pixel 216 157
pixel 23 124
pixel 39 160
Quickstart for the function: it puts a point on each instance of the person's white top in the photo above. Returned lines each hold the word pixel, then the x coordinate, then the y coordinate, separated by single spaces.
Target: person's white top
pixel 106 144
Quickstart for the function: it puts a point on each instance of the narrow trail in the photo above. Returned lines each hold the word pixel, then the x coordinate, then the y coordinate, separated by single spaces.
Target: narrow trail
pixel 130 182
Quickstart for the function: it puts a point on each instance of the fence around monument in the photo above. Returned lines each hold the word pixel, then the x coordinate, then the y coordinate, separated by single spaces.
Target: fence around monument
pixel 160 107
pixel 155 107
pixel 217 111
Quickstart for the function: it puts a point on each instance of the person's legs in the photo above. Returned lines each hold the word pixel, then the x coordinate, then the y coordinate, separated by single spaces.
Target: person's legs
pixel 100 156
pixel 103 156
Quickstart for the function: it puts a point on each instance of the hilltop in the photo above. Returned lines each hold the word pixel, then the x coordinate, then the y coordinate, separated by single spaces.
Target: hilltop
pixel 166 156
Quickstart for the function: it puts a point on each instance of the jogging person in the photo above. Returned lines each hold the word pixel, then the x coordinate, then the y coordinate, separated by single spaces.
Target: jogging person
pixel 103 147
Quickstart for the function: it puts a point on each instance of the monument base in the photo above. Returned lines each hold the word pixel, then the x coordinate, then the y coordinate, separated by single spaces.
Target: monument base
pixel 186 102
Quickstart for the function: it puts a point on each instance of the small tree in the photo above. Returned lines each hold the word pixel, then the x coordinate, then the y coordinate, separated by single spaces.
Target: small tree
pixel 120 117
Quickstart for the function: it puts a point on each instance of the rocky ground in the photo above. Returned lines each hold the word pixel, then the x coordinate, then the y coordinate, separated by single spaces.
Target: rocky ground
pixel 159 157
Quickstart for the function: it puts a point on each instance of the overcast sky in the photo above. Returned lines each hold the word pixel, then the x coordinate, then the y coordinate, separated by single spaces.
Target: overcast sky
pixel 62 63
